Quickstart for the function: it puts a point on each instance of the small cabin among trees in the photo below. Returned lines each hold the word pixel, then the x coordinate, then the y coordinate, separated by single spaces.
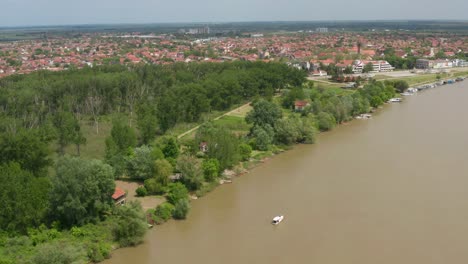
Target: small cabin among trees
pixel 300 105
pixel 119 196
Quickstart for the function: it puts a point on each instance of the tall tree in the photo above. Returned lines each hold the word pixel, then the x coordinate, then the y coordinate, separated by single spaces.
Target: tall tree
pixel 68 131
pixel 27 148
pixel 24 198
pixel 81 191
pixel 147 122
pixel 264 113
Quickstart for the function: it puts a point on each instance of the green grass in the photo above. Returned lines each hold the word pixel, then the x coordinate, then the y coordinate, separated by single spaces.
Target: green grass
pixel 235 124
pixel 95 142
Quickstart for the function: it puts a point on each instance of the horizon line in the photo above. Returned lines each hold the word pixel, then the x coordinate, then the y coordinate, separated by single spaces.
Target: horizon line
pixel 230 22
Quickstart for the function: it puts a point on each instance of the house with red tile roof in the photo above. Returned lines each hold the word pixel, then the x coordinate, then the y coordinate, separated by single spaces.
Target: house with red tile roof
pixel 119 196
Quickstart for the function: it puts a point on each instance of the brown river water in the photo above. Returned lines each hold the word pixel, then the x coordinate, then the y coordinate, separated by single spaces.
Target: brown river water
pixel 393 189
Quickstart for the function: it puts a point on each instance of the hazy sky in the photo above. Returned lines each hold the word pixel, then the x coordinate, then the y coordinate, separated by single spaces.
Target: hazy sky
pixel 58 12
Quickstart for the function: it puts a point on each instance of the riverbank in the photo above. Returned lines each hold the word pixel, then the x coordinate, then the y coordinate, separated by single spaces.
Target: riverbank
pixel 337 197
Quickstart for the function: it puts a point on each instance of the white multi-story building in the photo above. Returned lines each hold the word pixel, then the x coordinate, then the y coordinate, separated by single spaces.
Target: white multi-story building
pixel 442 64
pixel 378 66
pixel 322 30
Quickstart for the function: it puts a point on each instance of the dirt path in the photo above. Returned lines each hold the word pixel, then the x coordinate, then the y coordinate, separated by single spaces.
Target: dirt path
pixel 238 109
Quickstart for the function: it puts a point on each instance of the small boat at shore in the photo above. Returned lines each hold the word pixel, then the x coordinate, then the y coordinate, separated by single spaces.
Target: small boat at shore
pixel 277 219
pixel 395 100
pixel 364 116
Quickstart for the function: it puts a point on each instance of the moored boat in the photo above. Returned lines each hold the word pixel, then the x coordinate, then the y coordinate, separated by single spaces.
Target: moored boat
pixel 277 219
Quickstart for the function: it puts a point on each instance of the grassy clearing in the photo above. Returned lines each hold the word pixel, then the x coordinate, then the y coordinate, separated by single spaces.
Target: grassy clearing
pixel 241 112
pixel 95 142
pixel 235 124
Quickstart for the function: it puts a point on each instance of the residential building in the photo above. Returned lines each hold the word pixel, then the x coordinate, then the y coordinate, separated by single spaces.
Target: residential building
pixel 424 64
pixel 300 105
pixel 119 196
pixel 378 66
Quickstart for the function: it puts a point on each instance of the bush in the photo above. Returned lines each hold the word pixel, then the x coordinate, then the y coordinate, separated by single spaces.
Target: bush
pixel 326 121
pixel 177 191
pixel 181 209
pixel 141 191
pixel 130 224
pixel 154 187
pixel 58 253
pixel 140 165
pixel 245 151
pixel 98 252
pixel 163 212
pixel 263 137
pixel 210 169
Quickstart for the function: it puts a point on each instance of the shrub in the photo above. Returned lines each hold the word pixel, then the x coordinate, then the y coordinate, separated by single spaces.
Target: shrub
pixel 98 252
pixel 154 187
pixel 181 209
pixel 58 253
pixel 326 121
pixel 177 191
pixel 130 224
pixel 245 151
pixel 210 169
pixel 163 212
pixel 141 191
pixel 140 165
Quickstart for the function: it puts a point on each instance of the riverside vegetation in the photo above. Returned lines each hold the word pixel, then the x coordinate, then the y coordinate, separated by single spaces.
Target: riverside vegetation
pixel 56 201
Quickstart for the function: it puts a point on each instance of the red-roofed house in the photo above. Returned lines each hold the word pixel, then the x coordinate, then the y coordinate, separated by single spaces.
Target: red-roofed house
pixel 119 196
pixel 300 105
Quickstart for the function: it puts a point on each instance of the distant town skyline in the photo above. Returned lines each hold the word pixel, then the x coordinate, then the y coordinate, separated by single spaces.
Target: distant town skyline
pixel 62 12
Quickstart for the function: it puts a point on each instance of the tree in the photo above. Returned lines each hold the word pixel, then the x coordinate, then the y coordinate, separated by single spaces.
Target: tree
pixel 401 85
pixel 291 96
pixel 121 139
pixel 182 207
pixel 264 113
pixel 24 198
pixel 147 122
pixel 130 224
pixel 81 191
pixel 192 174
pixel 140 165
pixel 221 144
pixel 326 121
pixel 68 131
pixel 154 186
pixel 287 131
pixel 26 148
pixel 162 170
pixel 263 137
pixel 369 67
pixel 171 148
pixel 177 191
pixel 210 169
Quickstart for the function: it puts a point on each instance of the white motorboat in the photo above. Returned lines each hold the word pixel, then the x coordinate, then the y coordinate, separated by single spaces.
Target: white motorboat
pixel 395 100
pixel 406 94
pixel 277 219
pixel 364 116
